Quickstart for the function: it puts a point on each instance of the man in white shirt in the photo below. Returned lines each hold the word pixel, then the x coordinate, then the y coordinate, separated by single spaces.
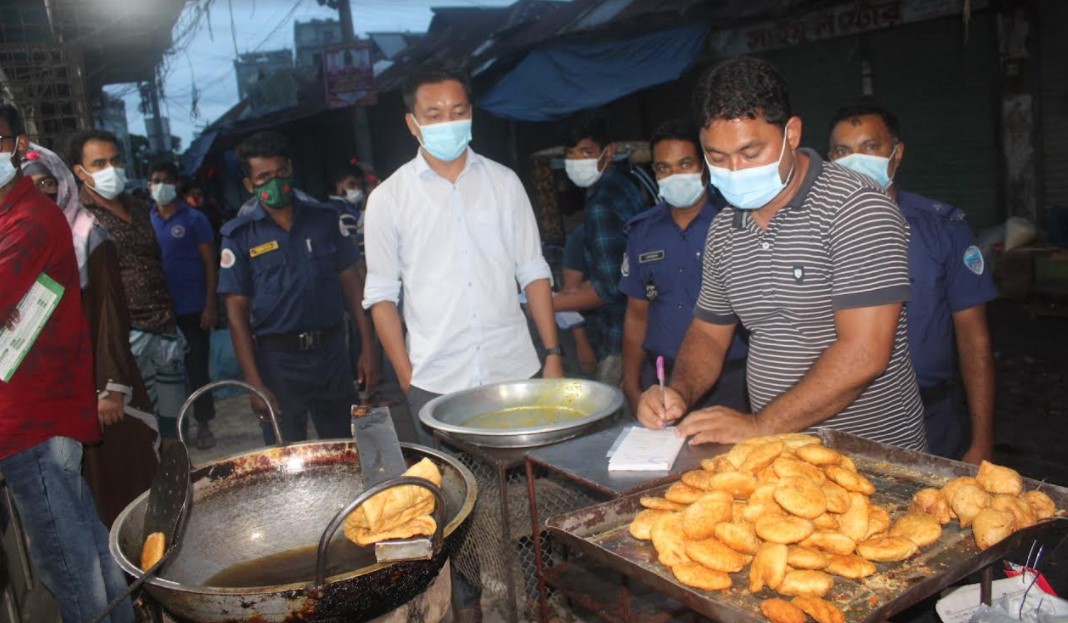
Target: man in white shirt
pixel 455 232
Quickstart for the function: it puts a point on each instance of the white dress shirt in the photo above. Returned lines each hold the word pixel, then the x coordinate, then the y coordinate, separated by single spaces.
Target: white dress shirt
pixel 458 251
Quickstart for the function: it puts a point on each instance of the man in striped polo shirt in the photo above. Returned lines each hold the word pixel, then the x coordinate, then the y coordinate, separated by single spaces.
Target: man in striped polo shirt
pixel 812 259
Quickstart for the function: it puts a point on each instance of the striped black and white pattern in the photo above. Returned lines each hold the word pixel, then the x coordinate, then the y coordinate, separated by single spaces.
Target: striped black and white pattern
pixel 841 244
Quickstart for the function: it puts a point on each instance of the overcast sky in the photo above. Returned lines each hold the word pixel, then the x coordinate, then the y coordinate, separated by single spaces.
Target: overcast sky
pixel 257 25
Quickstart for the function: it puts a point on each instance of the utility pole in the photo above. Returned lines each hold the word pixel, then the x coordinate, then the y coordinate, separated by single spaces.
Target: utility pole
pixel 359 111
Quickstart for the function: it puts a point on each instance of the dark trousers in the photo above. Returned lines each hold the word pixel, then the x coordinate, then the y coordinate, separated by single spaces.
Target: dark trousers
pixel 946 420
pixel 316 383
pixel 196 363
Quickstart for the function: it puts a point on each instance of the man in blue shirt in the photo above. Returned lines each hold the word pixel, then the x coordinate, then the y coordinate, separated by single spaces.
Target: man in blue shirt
pixel 662 269
pixel 289 273
pixel 187 243
pixel 947 324
pixel 612 198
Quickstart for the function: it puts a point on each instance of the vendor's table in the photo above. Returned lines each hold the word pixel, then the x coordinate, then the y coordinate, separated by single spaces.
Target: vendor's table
pixel 583 464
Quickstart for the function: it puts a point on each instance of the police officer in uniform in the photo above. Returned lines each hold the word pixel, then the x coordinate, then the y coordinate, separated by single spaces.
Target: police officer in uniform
pixel 289 272
pixel 662 269
pixel 947 323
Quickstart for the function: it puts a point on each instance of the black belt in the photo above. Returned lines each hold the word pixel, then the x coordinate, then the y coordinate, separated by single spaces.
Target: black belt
pixel 297 342
pixel 936 393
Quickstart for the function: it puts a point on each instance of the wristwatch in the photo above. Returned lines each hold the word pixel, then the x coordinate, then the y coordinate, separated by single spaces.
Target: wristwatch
pixel 555 350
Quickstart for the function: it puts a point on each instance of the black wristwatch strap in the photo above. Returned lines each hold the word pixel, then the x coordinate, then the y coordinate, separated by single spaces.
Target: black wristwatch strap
pixel 555 350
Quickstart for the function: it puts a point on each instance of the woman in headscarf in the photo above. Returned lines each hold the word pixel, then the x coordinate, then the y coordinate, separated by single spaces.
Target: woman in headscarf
pixel 122 466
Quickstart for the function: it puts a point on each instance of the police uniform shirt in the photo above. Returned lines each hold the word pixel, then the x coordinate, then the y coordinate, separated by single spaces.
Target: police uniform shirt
pixel 662 265
pixel 948 275
pixel 291 277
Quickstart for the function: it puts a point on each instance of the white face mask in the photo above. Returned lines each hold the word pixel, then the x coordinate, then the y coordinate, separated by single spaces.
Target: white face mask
pixel 682 190
pixel 110 182
pixel 164 194
pixel 7 168
pixel 584 172
pixel 354 195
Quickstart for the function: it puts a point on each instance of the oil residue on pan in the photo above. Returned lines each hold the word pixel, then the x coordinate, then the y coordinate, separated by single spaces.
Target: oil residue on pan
pixel 524 417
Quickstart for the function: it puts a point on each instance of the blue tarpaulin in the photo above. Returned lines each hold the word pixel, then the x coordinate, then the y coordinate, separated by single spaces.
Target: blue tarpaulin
pixel 552 83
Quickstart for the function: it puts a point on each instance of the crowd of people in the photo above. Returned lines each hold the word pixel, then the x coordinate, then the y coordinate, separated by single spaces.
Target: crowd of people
pixel 784 291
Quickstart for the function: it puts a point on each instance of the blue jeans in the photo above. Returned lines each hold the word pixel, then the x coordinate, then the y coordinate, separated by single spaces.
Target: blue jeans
pixel 68 544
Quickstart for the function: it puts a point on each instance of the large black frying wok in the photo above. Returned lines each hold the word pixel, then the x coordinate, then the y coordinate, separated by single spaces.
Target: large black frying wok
pixel 273 500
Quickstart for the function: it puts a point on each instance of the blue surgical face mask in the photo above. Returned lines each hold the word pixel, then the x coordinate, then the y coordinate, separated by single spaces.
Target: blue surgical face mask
pixel 7 168
pixel 750 189
pixel 875 167
pixel 682 190
pixel 447 140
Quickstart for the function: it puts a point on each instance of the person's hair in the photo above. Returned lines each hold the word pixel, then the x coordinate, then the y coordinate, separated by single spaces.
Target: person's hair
pixel 166 166
pixel 864 107
pixel 266 144
pixel 351 169
pixel 433 74
pixel 591 124
pixel 743 87
pixel 186 186
pixel 78 141
pixel 681 129
pixel 11 115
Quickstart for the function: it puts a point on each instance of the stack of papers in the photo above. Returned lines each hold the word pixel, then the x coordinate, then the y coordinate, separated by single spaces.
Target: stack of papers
pixel 643 450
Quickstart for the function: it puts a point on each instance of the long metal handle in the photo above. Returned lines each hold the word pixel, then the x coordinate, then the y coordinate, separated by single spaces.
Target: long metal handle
pixel 339 518
pixel 136 584
pixel 231 383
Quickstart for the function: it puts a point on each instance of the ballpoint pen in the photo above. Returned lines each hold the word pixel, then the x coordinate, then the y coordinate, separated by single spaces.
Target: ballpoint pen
pixel 660 378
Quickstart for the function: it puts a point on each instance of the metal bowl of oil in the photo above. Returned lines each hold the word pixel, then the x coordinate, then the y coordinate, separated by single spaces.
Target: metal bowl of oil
pixel 520 414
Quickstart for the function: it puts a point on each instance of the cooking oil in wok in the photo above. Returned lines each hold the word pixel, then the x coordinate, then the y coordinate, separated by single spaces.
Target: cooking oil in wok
pixel 294 565
pixel 524 417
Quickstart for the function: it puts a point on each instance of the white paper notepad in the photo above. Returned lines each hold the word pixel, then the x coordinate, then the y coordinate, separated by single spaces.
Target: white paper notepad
pixel 645 450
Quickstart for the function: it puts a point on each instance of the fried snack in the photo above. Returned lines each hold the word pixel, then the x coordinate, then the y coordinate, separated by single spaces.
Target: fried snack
pixel 698 576
pixel 920 528
pixel 784 530
pixel 767 476
pixel 1041 504
pixel 716 556
pixel 821 610
pixel 669 540
pixel 152 550
pixel 931 502
pixel 740 485
pixel 786 467
pixel 699 520
pixel 794 441
pixel 737 455
pixel 854 522
pixel 998 479
pixel 768 567
pixel 826 521
pixel 831 542
pixel 801 496
pixel 424 525
pixel 717 465
pixel 682 493
pixel 660 504
pixel 950 488
pixel 698 479
pixel 755 512
pixel 737 510
pixel 818 455
pixel 806 582
pixel 782 611
pixel 837 497
pixel 741 537
pixel 847 463
pixel 643 522
pixel 887 549
pixel 1021 511
pixel 878 521
pixel 850 566
pixel 806 558
pixel 761 457
pixel 990 526
pixel 763 494
pixel 967 501
pixel 398 505
pixel 849 480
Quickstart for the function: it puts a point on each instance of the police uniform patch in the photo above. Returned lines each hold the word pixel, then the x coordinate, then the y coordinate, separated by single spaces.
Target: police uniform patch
pixel 625 268
pixel 227 259
pixel 178 231
pixel 348 225
pixel 651 256
pixel 973 259
pixel 266 247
